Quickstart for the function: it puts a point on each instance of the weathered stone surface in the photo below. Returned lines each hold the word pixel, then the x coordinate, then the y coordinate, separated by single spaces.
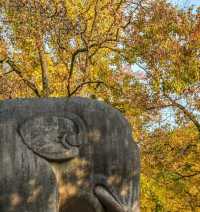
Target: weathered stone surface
pixel 62 155
pixel 27 183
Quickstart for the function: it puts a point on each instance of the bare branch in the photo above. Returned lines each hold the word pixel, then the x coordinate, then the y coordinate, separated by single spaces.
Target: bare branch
pixel 83 84
pixel 31 85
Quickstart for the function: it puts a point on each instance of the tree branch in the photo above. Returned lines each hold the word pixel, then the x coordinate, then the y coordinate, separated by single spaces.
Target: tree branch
pixel 44 68
pixel 74 55
pixel 95 16
pixel 72 67
pixel 80 86
pixel 19 73
pixel 188 175
pixel 159 106
pixel 186 112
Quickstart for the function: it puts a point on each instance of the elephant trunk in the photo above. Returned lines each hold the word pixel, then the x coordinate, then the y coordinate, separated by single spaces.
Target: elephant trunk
pixel 107 200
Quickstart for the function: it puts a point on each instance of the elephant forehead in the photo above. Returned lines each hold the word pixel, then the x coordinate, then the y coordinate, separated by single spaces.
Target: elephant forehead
pixel 103 124
pixel 111 149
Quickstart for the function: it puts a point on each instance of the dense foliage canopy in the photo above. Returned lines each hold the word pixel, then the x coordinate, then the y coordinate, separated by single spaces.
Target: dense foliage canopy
pixel 141 56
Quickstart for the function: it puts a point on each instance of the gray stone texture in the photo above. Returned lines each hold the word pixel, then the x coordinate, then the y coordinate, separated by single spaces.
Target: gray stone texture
pixel 66 154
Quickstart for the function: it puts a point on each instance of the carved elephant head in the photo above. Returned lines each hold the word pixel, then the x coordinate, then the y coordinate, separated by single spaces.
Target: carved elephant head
pixel 89 147
pixel 54 138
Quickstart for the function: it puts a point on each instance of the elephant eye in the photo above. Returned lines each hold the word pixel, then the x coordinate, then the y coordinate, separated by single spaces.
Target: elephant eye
pixel 59 137
pixel 71 140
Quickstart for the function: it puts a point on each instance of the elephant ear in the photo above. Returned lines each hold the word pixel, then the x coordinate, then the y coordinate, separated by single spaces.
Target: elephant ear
pixel 52 137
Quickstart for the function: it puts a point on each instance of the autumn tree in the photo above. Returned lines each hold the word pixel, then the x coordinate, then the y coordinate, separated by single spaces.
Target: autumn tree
pixel 59 47
pixel 164 43
pixel 141 56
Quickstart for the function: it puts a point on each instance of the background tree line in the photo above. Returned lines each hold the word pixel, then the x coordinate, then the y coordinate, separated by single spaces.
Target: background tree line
pixel 141 56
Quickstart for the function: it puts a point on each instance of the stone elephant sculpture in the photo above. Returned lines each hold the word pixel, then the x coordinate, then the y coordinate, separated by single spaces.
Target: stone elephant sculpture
pixel 66 154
